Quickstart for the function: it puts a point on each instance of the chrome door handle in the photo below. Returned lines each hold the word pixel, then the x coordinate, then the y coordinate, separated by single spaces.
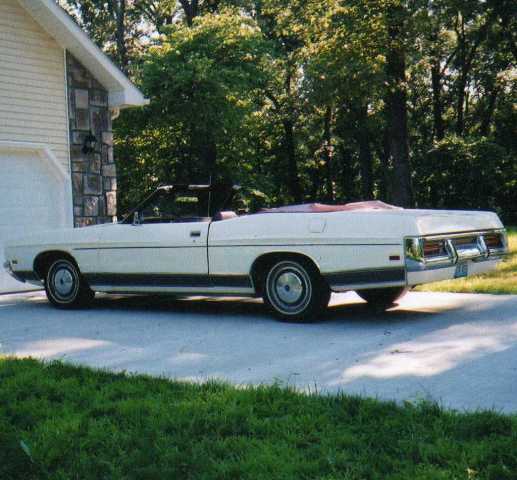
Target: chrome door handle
pixel 195 233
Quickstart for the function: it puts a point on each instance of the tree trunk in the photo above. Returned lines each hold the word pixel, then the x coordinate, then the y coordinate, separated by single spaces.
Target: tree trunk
pixel 362 136
pixel 190 9
pixel 288 140
pixel 327 153
pixel 120 34
pixel 460 104
pixel 484 130
pixel 209 158
pixel 384 155
pixel 466 58
pixel 347 175
pixel 293 182
pixel 397 108
pixel 436 80
pixel 315 189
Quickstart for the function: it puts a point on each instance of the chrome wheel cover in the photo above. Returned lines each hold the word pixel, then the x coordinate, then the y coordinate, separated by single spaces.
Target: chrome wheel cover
pixel 289 288
pixel 63 282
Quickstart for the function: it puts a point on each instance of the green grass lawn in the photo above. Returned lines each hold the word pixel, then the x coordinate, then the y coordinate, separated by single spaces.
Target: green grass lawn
pixel 502 280
pixel 63 422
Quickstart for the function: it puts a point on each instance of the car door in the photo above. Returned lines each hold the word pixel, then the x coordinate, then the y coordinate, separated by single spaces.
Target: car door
pixel 164 249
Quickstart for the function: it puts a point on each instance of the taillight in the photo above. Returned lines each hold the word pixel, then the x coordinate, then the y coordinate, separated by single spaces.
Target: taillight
pixel 435 248
pixel 493 241
pixel 462 241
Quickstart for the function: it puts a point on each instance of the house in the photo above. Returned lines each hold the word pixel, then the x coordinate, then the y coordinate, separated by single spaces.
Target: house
pixel 58 96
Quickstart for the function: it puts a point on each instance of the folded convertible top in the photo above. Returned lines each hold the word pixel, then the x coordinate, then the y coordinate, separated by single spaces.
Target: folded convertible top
pixel 322 208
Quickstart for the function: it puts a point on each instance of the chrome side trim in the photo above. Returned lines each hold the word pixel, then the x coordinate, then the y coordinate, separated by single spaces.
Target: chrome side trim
pixel 191 291
pixel 471 233
pixel 366 286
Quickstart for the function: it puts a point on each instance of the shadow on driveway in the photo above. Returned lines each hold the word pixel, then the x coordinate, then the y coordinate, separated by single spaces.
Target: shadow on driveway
pixel 457 349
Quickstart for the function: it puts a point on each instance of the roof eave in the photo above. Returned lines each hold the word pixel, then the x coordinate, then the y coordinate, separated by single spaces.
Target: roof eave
pixel 126 98
pixel 59 25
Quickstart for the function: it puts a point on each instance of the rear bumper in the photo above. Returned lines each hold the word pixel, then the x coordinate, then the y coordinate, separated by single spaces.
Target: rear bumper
pixel 474 251
pixel 449 273
pixel 462 254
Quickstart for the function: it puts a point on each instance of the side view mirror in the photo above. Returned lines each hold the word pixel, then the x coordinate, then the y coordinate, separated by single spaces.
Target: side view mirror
pixel 136 219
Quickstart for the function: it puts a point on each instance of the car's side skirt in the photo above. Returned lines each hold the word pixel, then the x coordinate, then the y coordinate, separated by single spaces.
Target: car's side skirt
pixel 173 283
pixel 228 284
pixel 367 278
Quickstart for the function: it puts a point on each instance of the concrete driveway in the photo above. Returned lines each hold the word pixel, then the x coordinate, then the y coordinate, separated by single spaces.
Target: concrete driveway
pixel 457 349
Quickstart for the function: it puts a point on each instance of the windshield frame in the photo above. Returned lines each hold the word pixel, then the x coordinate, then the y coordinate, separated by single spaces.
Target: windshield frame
pixel 230 191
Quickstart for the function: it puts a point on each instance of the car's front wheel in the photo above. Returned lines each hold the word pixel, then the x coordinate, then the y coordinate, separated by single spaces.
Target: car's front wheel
pixel 64 285
pixel 295 291
pixel 382 298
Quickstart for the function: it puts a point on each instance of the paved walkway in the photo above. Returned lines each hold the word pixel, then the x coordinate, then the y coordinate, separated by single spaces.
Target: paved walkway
pixel 457 349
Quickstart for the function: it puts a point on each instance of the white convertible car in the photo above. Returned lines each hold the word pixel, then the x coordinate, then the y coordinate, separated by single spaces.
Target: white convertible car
pixel 182 240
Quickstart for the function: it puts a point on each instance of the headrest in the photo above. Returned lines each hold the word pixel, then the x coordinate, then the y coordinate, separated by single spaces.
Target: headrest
pixel 224 216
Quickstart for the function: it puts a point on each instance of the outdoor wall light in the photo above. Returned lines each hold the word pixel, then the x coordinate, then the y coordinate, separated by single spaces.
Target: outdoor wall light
pixel 89 144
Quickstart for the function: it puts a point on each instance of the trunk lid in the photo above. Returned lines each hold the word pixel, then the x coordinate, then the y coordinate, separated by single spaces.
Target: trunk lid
pixel 436 222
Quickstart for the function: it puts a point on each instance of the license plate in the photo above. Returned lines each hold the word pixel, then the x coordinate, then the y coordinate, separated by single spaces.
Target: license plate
pixel 462 270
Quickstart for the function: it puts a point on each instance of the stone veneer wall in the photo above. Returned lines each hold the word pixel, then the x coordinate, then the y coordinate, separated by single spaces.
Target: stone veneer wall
pixel 94 176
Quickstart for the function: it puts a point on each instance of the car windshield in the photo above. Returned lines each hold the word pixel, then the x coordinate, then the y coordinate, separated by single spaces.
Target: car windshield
pixel 175 204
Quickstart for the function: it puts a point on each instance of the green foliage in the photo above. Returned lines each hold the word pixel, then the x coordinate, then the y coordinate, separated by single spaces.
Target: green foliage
pixel 203 83
pixel 206 75
pixel 115 25
pixel 79 423
pixel 294 97
pixel 471 173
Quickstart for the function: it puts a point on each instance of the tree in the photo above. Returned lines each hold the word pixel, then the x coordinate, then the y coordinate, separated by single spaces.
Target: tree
pixel 396 102
pixel 160 14
pixel 115 25
pixel 309 100
pixel 203 81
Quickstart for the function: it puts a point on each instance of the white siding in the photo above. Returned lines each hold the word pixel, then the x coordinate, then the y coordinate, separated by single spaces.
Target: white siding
pixel 33 104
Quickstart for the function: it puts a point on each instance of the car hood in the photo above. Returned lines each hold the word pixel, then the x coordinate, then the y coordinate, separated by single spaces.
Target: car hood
pixel 59 236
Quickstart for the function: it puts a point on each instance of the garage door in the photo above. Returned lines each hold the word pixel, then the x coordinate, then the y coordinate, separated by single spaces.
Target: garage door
pixel 32 198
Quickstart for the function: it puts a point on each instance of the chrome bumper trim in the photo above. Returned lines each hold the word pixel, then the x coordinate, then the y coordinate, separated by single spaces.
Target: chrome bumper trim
pixel 477 251
pixel 9 269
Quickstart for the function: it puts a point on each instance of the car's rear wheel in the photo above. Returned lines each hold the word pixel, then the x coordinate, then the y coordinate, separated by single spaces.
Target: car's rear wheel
pixel 295 291
pixel 65 286
pixel 382 298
